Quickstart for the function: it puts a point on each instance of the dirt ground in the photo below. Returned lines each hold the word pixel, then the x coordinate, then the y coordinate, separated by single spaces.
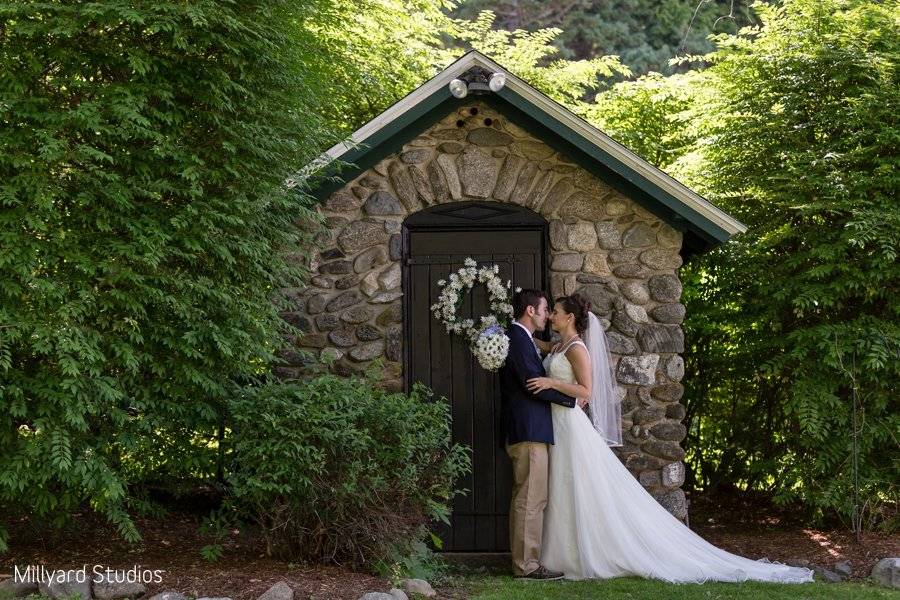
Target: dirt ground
pixel 173 545
pixel 754 528
pixel 748 527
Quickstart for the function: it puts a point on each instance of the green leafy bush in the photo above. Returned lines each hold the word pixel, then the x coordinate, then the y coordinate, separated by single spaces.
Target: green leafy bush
pixel 792 327
pixel 337 469
pixel 144 225
pixel 800 143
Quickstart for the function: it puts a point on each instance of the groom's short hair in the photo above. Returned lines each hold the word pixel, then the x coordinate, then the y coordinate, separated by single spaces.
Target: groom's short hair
pixel 525 298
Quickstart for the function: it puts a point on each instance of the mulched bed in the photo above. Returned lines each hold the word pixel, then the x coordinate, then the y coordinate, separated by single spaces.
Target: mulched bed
pixel 173 544
pixel 752 526
pixel 746 525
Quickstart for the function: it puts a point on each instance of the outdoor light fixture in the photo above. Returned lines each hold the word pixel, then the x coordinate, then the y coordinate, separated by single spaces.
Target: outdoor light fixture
pixel 497 81
pixel 458 88
pixel 477 81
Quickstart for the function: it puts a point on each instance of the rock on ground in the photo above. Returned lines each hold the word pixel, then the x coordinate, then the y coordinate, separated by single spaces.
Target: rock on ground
pixel 887 572
pixel 279 591
pixel 68 588
pixel 398 594
pixel 843 568
pixel 828 576
pixel 169 595
pixel 17 589
pixel 418 586
pixel 107 588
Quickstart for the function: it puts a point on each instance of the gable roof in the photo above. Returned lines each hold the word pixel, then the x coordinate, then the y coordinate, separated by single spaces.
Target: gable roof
pixel 703 224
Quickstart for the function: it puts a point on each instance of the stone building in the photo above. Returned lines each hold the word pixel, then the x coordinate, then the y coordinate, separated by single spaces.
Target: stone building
pixel 511 178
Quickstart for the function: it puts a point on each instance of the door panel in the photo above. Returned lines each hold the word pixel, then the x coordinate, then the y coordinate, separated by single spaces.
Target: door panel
pixel 444 363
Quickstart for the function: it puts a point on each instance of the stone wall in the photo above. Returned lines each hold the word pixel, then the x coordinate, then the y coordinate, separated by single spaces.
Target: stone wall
pixel 603 245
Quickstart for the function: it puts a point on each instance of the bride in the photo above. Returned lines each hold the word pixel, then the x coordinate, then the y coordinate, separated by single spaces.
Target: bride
pixel 600 522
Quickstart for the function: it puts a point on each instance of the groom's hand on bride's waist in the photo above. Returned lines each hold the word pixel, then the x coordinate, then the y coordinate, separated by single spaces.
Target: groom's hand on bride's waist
pixel 538 384
pixel 581 402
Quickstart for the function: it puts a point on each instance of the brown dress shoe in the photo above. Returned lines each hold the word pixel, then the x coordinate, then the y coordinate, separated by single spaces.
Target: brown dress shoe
pixel 542 573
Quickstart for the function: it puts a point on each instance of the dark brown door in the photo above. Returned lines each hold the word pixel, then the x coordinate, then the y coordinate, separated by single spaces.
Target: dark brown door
pixel 435 248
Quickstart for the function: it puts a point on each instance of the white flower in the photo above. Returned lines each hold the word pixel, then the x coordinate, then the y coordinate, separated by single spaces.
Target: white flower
pixel 490 349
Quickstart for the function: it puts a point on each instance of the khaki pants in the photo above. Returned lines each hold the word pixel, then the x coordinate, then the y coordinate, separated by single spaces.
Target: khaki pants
pixel 530 461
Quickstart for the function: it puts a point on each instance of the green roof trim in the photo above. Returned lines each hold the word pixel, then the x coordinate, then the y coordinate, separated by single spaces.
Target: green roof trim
pixel 387 141
pixel 704 225
pixel 607 167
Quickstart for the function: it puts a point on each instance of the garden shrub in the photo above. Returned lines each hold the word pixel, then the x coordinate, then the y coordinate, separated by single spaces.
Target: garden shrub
pixel 144 225
pixel 338 470
pixel 799 142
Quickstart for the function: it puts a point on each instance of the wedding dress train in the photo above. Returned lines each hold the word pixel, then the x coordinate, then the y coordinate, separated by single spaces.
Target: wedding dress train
pixel 600 522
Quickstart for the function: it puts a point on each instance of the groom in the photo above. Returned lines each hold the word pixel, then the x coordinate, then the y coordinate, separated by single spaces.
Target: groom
pixel 528 433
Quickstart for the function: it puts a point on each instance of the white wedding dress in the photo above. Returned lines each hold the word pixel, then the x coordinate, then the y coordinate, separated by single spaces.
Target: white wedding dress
pixel 600 522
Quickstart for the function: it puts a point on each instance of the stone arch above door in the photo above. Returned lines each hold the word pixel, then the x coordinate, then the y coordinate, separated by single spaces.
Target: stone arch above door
pixel 601 243
pixel 483 214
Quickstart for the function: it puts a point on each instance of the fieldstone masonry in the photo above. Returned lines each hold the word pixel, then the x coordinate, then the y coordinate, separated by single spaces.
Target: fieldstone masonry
pixel 603 245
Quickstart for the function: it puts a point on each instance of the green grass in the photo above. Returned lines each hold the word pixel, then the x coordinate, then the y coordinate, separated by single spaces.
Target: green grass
pixel 506 588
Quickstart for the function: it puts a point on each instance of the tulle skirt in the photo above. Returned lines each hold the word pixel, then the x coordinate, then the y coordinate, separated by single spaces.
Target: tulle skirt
pixel 600 522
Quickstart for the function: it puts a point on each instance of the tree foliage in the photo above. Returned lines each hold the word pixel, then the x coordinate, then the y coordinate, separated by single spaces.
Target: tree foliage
pixel 645 34
pixel 651 115
pixel 379 55
pixel 377 52
pixel 800 144
pixel 792 128
pixel 144 228
pixel 533 56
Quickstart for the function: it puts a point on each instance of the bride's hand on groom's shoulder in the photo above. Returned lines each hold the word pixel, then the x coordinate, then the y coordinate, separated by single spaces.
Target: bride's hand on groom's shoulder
pixel 543 346
pixel 539 384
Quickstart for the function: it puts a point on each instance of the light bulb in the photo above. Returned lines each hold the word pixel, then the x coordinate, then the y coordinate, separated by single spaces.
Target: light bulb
pixel 497 81
pixel 458 88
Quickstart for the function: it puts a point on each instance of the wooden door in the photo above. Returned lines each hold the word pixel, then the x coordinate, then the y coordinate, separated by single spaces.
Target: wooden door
pixel 435 246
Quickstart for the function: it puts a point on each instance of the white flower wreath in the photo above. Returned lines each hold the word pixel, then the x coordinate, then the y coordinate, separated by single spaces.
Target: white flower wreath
pixel 486 338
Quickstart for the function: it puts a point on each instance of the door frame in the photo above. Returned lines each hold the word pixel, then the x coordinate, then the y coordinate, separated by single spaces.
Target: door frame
pixel 464 216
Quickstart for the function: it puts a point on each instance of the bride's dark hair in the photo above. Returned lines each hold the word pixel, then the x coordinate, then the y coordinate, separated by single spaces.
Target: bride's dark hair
pixel 580 307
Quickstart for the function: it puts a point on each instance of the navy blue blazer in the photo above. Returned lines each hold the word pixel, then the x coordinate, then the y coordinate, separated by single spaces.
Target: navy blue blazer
pixel 526 416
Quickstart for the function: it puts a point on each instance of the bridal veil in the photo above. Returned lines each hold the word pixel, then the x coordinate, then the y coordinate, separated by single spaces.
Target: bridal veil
pixel 605 407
